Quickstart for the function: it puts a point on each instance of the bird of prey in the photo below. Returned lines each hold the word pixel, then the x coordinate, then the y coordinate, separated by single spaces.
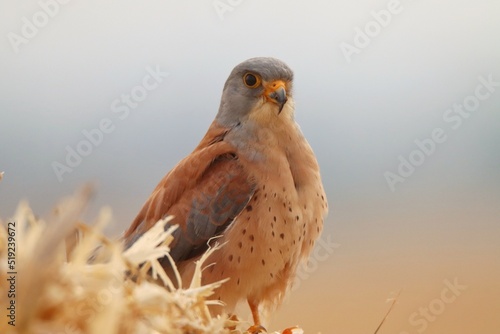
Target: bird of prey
pixel 254 182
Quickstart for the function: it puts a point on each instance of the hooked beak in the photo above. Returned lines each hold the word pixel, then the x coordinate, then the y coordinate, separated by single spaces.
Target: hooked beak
pixel 276 92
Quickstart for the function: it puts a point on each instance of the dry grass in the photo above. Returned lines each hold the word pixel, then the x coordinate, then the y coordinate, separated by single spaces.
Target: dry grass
pixel 394 300
pixel 59 291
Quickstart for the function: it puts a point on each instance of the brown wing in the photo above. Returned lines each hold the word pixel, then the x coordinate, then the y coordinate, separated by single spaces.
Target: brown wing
pixel 204 193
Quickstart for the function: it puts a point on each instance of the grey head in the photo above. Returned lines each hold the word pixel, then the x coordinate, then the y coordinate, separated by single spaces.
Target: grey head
pixel 250 82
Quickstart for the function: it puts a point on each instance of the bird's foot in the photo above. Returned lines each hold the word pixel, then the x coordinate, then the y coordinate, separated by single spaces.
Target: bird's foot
pixel 293 330
pixel 256 329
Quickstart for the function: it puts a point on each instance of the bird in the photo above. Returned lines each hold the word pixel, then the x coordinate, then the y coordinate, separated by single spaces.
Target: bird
pixel 253 182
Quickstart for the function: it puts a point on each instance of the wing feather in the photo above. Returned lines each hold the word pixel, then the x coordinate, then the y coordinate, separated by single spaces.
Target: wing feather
pixel 204 193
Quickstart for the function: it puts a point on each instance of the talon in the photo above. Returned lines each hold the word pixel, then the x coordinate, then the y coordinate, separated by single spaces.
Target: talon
pixel 256 329
pixel 293 330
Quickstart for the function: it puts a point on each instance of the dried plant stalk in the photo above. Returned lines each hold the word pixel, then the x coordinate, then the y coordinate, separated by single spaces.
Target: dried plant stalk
pixel 60 291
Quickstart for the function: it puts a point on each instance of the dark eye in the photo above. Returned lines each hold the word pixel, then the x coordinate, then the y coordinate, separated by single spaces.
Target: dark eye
pixel 251 80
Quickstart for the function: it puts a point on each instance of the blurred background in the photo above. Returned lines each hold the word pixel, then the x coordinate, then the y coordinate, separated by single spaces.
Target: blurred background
pixel 399 99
